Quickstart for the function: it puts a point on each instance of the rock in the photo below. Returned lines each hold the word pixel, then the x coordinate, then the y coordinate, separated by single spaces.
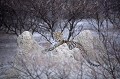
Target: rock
pixel 31 55
pixel 26 43
pixel 92 44
pixel 28 46
pixel 64 61
pixel 63 54
pixel 60 62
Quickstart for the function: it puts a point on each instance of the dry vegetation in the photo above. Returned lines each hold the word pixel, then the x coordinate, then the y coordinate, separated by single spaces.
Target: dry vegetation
pixel 48 16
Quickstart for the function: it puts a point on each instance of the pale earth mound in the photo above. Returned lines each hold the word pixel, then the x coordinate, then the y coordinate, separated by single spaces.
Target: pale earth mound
pixel 32 61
